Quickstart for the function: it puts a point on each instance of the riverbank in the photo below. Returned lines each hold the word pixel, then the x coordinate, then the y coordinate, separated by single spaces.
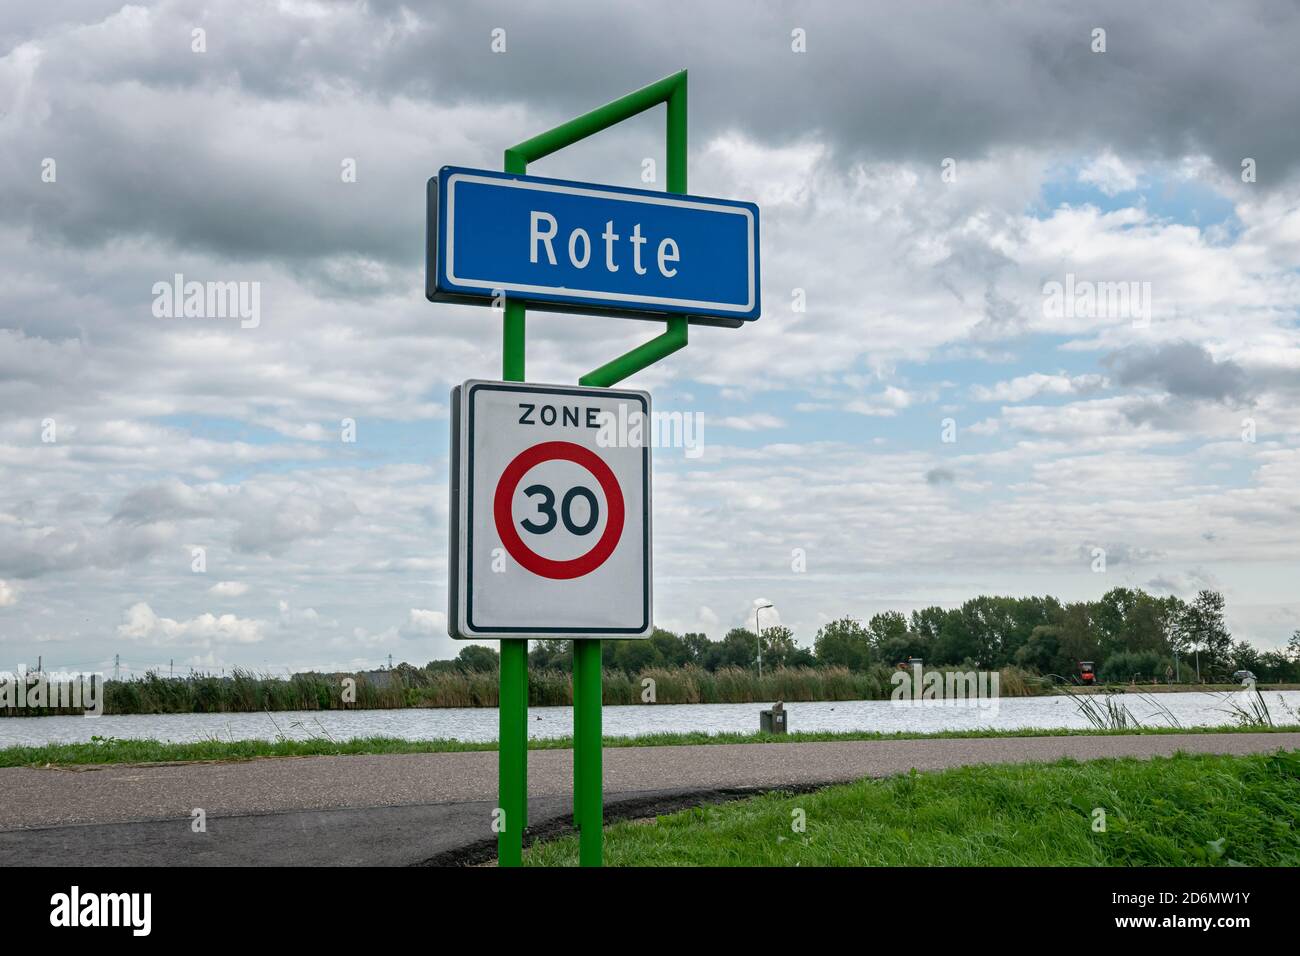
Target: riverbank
pixel 482 724
pixel 106 751
pixel 1184 810
pixel 244 692
pixel 1175 688
pixel 408 687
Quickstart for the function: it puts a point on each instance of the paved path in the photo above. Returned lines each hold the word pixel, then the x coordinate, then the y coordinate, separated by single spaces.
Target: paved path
pixel 411 808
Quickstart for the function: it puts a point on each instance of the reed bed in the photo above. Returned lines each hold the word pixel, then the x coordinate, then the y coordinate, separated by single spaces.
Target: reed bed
pixel 245 691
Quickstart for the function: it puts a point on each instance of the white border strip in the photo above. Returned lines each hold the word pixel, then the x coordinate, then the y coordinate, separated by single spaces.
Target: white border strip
pixel 638 198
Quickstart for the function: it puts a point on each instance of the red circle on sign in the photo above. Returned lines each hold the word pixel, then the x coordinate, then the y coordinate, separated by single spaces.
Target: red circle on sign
pixel 505 520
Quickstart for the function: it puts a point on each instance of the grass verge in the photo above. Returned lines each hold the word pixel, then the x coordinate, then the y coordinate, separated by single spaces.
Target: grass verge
pixel 1183 810
pixel 114 750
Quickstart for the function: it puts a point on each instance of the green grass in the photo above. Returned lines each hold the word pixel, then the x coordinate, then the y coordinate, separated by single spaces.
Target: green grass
pixel 1168 811
pixel 118 750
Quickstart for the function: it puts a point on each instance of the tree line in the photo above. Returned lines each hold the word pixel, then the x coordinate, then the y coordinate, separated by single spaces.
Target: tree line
pixel 1127 633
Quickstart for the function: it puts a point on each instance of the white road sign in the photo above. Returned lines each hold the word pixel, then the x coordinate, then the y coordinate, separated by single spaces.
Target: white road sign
pixel 550 512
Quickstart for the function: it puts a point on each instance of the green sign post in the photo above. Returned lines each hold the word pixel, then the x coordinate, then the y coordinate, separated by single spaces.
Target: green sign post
pixel 684 259
pixel 588 795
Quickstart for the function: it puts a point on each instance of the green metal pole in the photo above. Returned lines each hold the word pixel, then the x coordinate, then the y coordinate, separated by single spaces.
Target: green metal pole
pixel 512 704
pixel 512 338
pixel 675 337
pixel 629 363
pixel 677 134
pixel 588 794
pixel 588 669
pixel 578 790
pixel 588 676
pixel 512 767
pixel 603 117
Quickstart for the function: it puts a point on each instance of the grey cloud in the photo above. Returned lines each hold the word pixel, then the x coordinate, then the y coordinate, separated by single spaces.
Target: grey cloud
pixel 1169 415
pixel 1184 370
pixel 1003 317
pixel 266 520
pixel 170 501
pixel 1174 76
pixel 226 166
pixel 1161 584
pixel 78 501
pixel 24 21
pixel 968 256
pixel 273 526
pixel 156 140
pixel 32 549
pixel 1119 553
pixel 1188 582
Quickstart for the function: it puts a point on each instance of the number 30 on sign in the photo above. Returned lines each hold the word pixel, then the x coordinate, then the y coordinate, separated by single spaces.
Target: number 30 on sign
pixel 550 513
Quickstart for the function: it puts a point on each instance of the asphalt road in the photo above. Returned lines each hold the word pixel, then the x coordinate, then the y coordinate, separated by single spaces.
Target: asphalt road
pixel 420 808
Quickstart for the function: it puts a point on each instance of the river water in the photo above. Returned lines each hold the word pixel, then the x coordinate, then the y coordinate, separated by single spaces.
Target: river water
pixel 480 723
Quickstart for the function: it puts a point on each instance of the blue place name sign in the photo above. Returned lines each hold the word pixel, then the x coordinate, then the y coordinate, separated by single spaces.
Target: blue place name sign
pixel 579 247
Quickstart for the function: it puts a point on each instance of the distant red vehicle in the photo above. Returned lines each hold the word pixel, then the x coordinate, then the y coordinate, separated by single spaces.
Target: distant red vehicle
pixel 1087 673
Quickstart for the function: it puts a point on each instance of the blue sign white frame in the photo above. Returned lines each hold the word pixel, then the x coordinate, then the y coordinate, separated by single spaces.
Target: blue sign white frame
pixel 551 243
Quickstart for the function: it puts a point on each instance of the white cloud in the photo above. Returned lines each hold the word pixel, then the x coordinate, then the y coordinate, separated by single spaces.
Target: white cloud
pixel 1110 174
pixel 142 624
pixel 8 594
pixel 228 589
pixel 422 623
pixel 749 423
pixel 886 403
pixel 1029 386
pixel 292 619
pixel 173 432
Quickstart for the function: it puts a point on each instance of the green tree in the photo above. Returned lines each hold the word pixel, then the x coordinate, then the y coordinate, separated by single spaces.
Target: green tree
pixel 892 641
pixel 698 647
pixel 1129 665
pixel 843 643
pixel 1244 657
pixel 629 656
pixel 1274 666
pixel 962 636
pixel 1078 639
pixel 551 654
pixel 411 676
pixel 1201 626
pixel 739 648
pixel 1026 615
pixel 992 625
pixel 886 626
pixel 928 623
pixel 779 648
pixel 1131 620
pixel 476 657
pixel 670 649
pixel 1042 652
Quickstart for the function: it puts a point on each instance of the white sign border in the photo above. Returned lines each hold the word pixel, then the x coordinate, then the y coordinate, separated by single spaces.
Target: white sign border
pixel 567 291
pixel 460 626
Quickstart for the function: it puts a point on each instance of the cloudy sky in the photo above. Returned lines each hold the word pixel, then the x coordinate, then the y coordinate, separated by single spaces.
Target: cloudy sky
pixel 929 174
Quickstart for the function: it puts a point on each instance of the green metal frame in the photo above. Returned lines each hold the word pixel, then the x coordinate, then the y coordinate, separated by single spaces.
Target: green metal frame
pixel 670 90
pixel 512 766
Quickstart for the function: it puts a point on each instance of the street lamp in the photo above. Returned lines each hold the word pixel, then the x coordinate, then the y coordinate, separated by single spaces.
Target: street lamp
pixel 758 627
